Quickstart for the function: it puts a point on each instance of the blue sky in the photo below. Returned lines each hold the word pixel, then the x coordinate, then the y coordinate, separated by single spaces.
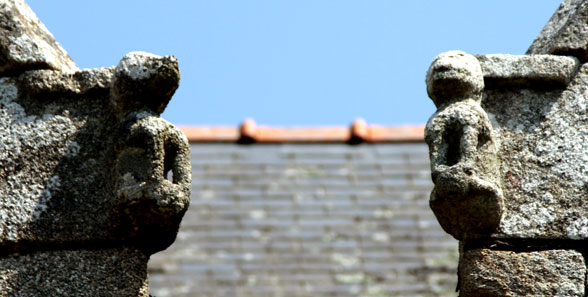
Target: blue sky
pixel 294 62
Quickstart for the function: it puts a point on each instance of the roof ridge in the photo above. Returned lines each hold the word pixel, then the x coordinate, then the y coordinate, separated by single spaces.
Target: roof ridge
pixel 358 132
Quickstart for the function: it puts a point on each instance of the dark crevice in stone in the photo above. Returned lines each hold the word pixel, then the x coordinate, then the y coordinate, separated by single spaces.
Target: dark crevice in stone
pixel 169 159
pixel 452 138
pixel 526 245
pixel 22 68
pixel 523 83
pixel 579 53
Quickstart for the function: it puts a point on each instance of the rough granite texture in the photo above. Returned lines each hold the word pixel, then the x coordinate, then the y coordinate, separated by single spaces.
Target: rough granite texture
pixel 152 78
pixel 528 70
pixel 25 43
pixel 543 143
pixel 489 273
pixel 104 272
pixel 566 32
pixel 70 168
pixel 540 138
pixel 89 172
pixel 537 109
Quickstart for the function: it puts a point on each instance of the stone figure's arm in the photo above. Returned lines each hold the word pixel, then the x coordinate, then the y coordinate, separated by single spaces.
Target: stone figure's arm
pixel 434 133
pixel 468 143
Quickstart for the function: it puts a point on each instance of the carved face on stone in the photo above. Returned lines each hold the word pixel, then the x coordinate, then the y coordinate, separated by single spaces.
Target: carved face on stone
pixel 453 76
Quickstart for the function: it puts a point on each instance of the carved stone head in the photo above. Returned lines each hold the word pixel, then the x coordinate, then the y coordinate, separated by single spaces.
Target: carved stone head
pixel 454 76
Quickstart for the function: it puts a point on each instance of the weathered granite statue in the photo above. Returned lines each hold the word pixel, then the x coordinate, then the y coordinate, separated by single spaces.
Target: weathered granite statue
pixel 467 198
pixel 92 180
pixel 509 158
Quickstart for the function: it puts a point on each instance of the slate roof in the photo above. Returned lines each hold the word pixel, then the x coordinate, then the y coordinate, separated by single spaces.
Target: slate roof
pixel 308 219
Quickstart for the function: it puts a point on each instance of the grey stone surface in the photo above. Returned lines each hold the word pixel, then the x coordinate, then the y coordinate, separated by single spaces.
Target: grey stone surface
pixel 566 32
pixel 144 81
pixel 102 272
pixel 308 220
pixel 149 207
pixel 92 180
pixel 543 140
pixel 25 43
pixel 489 273
pixel 527 71
pixel 537 149
pixel 452 76
pixel 535 107
pixel 467 198
pixel 72 168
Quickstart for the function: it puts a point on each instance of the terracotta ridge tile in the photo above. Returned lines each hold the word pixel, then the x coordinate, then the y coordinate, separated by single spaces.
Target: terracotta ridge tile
pixel 358 132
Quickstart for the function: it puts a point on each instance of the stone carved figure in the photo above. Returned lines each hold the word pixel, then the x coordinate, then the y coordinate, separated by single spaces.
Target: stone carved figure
pixel 104 199
pixel 149 205
pixel 537 104
pixel 467 198
pixel 85 196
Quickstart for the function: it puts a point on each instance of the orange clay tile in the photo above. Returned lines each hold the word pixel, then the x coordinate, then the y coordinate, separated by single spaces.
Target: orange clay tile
pixel 359 130
pixel 396 133
pixel 250 132
pixel 210 133
pixel 300 134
